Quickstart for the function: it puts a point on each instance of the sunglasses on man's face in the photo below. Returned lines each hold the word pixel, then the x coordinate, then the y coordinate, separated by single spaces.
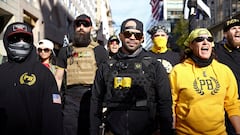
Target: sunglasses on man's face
pixel 200 39
pixel 46 50
pixel 18 37
pixel 84 23
pixel 137 35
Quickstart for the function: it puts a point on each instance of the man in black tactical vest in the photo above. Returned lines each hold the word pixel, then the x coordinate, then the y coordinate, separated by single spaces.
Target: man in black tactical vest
pixel 133 87
pixel 80 60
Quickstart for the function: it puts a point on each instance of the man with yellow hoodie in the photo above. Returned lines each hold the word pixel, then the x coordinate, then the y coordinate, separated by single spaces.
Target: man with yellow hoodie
pixel 202 88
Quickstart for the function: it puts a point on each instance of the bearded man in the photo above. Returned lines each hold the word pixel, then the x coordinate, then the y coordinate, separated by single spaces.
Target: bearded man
pixel 79 61
pixel 228 52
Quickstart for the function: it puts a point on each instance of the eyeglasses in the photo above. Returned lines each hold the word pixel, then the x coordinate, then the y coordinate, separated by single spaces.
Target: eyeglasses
pixel 46 50
pixel 84 23
pixel 137 35
pixel 18 37
pixel 200 39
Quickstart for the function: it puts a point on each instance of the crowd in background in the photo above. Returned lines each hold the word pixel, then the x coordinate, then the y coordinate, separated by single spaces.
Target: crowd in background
pixel 123 89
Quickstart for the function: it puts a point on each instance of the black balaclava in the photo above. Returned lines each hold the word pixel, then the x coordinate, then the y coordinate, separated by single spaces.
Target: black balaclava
pixel 18 50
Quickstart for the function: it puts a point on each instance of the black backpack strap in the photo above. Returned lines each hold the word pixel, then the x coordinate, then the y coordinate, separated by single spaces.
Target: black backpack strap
pixel 69 51
pixel 151 103
pixel 111 62
pixel 147 60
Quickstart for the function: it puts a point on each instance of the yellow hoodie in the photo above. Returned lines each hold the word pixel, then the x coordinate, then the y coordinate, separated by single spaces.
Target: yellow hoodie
pixel 200 96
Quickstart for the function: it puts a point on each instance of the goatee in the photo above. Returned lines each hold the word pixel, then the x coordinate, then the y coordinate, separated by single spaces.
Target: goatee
pixel 81 40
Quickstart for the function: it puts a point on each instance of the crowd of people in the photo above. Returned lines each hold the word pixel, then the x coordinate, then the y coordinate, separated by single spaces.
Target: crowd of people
pixel 123 89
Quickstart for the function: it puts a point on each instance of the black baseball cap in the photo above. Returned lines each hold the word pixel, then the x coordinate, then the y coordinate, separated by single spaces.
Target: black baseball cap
pixel 230 23
pixel 139 25
pixel 113 38
pixel 19 28
pixel 83 17
pixel 157 28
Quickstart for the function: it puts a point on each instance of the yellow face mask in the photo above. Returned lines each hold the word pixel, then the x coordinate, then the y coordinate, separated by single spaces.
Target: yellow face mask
pixel 159 44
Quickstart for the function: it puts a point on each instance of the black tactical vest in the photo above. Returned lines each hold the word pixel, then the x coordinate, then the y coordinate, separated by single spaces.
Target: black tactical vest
pixel 130 84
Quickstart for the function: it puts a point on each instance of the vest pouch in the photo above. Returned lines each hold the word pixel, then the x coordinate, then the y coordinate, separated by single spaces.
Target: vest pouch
pixel 128 89
pixel 81 67
pixel 129 84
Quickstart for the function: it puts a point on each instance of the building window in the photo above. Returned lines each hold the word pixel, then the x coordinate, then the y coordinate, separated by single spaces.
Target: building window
pixel 28 18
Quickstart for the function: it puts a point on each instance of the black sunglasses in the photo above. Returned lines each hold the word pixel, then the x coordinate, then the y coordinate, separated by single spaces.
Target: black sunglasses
pixel 18 37
pixel 84 23
pixel 137 35
pixel 46 50
pixel 200 39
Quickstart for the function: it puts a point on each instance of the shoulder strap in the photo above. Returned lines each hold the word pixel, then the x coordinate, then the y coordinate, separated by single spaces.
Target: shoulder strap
pixel 69 50
pixel 110 62
pixel 147 60
pixel 93 44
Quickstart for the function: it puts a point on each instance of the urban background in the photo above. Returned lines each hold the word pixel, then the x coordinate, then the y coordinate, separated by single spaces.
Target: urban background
pixel 52 19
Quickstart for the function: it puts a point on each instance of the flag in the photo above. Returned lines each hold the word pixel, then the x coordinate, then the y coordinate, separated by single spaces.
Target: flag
pixel 157 9
pixel 65 41
pixel 101 37
pixel 186 10
pixel 56 98
pixel 202 9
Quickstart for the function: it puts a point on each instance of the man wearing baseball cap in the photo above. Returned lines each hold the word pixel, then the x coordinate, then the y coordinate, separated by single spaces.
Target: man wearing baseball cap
pixel 134 87
pixel 160 50
pixel 113 45
pixel 83 19
pixel 80 59
pixel 228 52
pixel 30 103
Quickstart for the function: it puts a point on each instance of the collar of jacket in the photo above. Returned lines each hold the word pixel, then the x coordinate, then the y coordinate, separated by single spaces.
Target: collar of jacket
pixel 227 48
pixel 120 54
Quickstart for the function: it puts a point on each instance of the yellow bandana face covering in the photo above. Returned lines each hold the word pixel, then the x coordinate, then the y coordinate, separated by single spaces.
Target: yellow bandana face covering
pixel 159 44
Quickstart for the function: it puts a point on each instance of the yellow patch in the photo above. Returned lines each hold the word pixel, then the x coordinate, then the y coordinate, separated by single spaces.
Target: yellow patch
pixel 138 66
pixel 28 79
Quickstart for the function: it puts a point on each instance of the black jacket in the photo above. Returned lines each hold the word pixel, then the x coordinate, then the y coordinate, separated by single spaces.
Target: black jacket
pixel 230 57
pixel 132 121
pixel 29 99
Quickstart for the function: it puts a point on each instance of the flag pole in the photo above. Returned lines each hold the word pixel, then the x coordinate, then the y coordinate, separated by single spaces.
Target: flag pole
pixel 192 5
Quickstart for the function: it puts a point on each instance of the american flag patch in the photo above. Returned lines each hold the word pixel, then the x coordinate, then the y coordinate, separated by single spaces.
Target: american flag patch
pixel 56 98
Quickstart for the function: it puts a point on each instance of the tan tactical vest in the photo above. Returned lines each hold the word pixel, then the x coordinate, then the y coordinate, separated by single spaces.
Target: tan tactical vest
pixel 82 66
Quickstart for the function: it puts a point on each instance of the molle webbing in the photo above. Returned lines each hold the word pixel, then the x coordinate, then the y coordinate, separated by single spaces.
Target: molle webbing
pixel 141 94
pixel 81 66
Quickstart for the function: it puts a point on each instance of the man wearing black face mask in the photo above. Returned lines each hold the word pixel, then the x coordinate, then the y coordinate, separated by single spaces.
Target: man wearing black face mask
pixel 29 99
pixel 80 60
